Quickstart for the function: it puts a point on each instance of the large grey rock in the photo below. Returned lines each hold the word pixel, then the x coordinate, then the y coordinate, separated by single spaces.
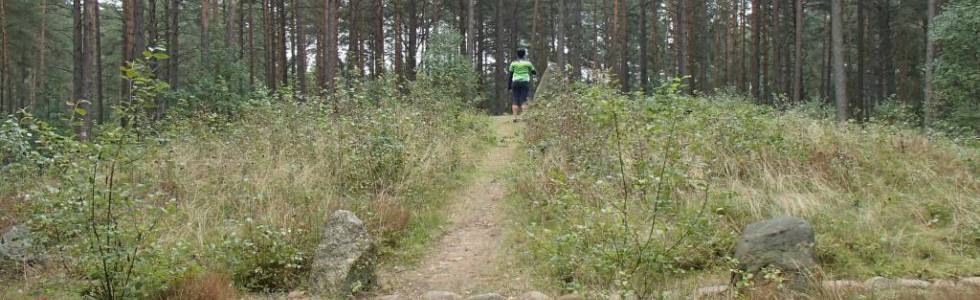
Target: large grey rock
pixel 571 297
pixel 785 243
pixel 534 295
pixel 441 295
pixel 490 296
pixel 839 286
pixel 345 257
pixel 16 245
pixel 972 282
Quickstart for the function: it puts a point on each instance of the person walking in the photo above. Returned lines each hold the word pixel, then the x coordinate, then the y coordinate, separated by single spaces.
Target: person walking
pixel 519 82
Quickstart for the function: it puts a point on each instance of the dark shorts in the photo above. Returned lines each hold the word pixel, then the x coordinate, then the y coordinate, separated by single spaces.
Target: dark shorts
pixel 520 91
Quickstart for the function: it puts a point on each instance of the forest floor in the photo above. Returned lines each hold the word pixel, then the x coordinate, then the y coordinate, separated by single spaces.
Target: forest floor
pixel 471 256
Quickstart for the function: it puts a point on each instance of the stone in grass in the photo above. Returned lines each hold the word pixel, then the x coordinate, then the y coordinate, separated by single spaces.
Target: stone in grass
pixel 534 295
pixel 16 245
pixel 391 297
pixel 571 297
pixel 881 283
pixel 970 282
pixel 490 296
pixel 441 295
pixel 843 285
pixel 345 258
pixel 943 284
pixel 784 243
pixel 711 291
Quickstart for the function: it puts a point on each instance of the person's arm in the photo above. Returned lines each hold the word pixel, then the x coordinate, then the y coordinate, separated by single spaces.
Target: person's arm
pixel 534 71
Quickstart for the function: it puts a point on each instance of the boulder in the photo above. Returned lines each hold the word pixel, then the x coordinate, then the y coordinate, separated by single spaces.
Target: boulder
pixel 943 284
pixel 16 245
pixel 571 297
pixel 711 291
pixel 441 295
pixel 534 295
pixel 490 296
pixel 345 257
pixel 843 285
pixel 785 243
pixel 970 282
pixel 912 283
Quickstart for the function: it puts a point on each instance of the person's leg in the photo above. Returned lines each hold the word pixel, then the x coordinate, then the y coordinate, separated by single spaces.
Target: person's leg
pixel 516 110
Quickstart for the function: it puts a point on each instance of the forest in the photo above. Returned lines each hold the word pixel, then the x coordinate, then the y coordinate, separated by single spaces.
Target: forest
pixel 780 52
pixel 195 149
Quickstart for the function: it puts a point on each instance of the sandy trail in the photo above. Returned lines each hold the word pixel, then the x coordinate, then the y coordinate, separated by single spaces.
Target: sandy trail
pixel 470 257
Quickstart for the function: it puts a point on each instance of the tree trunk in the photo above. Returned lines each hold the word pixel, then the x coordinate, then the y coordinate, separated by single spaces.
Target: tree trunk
pixel 231 27
pixel 356 49
pixel 83 113
pixel 682 41
pixel 777 48
pixel 128 49
pixel 4 65
pixel 840 73
pixel 399 43
pixel 77 50
pixel 99 90
pixel 333 32
pixel 886 47
pixel 269 45
pixel 281 35
pixel 251 43
pixel 576 39
pixel 756 73
pixel 798 64
pixel 859 97
pixel 153 31
pixel 300 52
pixel 470 28
pixel 379 39
pixel 500 57
pixel 205 37
pixel 40 79
pixel 173 45
pixel 929 105
pixel 655 42
pixel 644 51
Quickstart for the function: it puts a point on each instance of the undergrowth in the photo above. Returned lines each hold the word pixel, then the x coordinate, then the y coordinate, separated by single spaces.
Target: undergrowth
pixel 236 194
pixel 630 193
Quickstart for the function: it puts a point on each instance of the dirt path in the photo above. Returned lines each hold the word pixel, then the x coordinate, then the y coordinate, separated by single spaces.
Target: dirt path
pixel 470 257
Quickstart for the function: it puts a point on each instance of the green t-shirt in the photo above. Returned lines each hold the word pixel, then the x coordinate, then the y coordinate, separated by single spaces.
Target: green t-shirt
pixel 522 70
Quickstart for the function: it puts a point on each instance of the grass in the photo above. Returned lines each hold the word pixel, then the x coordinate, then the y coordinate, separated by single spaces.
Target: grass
pixel 246 195
pixel 883 199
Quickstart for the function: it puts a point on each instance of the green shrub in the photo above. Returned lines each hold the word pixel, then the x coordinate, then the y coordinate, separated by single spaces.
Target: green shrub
pixel 632 193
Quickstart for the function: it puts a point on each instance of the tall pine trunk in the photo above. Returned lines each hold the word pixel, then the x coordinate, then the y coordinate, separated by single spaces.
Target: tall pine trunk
pixel 300 51
pixel 499 58
pixel 379 39
pixel 798 64
pixel 173 45
pixel 929 105
pixel 840 72
pixel 4 65
pixel 205 34
pixel 399 43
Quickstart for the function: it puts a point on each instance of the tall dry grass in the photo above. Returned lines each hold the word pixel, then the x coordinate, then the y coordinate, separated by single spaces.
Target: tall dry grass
pixel 884 200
